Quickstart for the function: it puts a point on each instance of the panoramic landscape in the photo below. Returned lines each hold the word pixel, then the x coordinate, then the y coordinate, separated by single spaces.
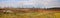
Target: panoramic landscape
pixel 29 13
pixel 29 8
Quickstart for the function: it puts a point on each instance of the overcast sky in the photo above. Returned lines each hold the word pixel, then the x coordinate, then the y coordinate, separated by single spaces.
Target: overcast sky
pixel 30 3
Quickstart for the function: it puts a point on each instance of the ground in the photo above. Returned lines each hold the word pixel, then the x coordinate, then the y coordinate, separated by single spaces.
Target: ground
pixel 29 15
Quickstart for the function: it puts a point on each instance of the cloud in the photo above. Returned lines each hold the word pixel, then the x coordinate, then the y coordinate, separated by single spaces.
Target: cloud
pixel 31 3
pixel 49 3
pixel 16 3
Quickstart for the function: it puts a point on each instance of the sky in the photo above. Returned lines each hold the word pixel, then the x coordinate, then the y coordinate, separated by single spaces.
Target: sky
pixel 29 3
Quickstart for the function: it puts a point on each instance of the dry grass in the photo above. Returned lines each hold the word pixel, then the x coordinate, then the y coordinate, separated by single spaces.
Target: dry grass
pixel 26 15
pixel 41 14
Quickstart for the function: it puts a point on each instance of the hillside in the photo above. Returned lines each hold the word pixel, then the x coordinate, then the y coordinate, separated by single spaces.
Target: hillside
pixel 27 10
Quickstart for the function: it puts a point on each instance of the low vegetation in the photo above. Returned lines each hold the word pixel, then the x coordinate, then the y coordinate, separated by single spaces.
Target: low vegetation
pixel 30 13
pixel 26 15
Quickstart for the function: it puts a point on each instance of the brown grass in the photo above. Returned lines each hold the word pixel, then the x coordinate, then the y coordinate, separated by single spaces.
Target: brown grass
pixel 30 10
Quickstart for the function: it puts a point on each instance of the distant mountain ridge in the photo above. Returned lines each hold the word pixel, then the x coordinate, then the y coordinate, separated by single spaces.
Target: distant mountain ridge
pixel 58 8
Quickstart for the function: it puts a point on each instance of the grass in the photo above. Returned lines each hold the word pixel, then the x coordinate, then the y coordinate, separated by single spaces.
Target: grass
pixel 57 15
pixel 25 15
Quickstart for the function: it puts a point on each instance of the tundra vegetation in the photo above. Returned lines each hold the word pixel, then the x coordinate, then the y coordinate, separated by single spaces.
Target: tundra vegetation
pixel 27 13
